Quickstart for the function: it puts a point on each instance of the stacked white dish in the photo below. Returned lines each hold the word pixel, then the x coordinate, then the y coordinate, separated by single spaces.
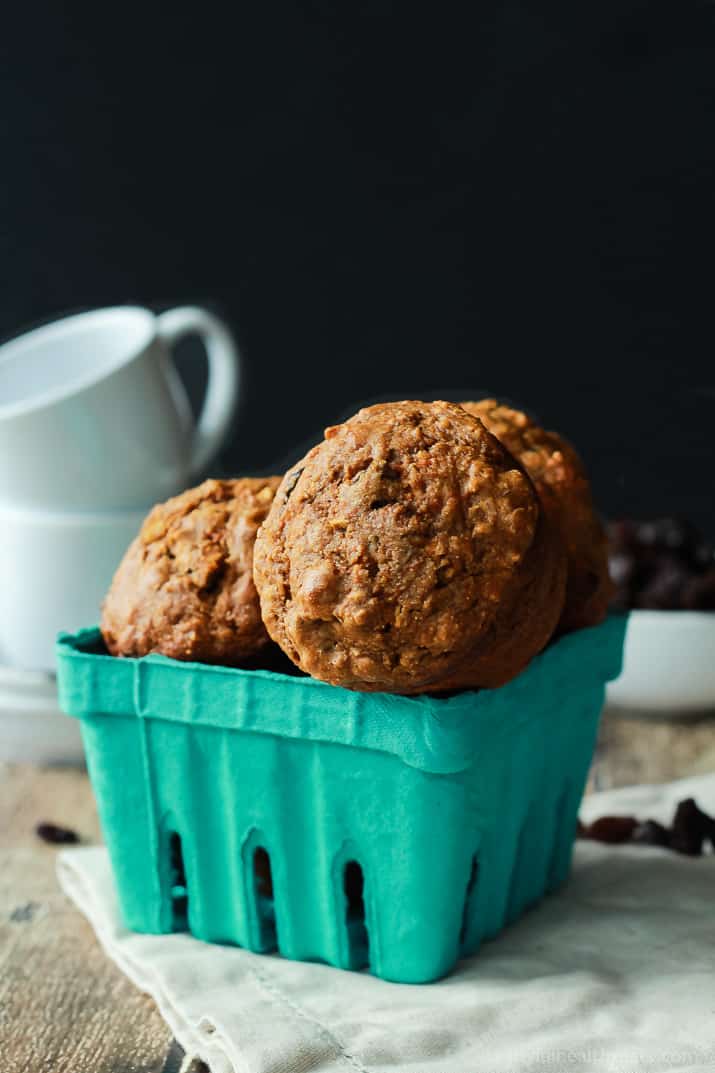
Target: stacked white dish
pixel 95 427
pixel 32 727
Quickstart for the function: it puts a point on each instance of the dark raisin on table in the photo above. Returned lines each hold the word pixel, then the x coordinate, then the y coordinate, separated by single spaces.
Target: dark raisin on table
pixel 56 835
pixel 611 829
pixel 691 826
pixel 690 829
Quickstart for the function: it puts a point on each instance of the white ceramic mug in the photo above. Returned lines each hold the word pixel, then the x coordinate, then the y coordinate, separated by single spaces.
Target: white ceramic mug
pixel 93 414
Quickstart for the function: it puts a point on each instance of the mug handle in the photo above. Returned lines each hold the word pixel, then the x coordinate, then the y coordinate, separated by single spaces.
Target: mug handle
pixel 224 376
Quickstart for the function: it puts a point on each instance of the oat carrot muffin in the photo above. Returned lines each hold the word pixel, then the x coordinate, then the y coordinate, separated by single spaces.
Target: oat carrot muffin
pixel 408 552
pixel 185 586
pixel 560 479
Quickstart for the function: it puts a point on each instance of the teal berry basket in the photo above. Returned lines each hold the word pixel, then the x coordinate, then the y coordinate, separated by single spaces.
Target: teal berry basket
pixel 356 829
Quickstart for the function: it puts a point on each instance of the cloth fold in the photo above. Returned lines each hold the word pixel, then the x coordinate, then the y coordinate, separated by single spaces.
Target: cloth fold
pixel 613 974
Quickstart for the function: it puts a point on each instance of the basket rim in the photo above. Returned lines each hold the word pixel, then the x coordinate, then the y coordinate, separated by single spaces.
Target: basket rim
pixel 435 734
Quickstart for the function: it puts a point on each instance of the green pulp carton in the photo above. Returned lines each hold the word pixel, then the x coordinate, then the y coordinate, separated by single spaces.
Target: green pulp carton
pixel 356 829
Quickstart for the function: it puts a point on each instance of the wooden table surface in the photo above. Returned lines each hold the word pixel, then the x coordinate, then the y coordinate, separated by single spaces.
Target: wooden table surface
pixel 64 1007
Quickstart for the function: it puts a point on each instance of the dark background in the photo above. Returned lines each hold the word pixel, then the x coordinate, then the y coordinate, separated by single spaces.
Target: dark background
pixel 388 199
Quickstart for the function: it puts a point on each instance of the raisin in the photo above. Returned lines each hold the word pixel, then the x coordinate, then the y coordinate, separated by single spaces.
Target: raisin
pixel 56 835
pixel 663 564
pixel 665 589
pixel 699 593
pixel 690 828
pixel 611 829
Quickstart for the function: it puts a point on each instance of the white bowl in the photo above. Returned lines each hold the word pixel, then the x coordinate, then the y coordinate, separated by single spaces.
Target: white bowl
pixel 668 664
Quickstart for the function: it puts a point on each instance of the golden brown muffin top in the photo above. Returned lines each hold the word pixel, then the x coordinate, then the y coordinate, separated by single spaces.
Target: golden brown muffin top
pixel 564 489
pixel 185 586
pixel 394 549
pixel 547 457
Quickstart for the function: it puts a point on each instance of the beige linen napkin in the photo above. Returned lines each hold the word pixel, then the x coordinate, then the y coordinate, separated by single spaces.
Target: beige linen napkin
pixel 614 974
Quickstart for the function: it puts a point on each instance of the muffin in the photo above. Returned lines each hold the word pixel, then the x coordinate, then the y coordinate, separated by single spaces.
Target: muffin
pixel 408 553
pixel 563 487
pixel 185 586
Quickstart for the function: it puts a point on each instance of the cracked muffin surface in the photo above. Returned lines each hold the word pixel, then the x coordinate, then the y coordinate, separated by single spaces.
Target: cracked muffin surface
pixel 408 553
pixel 185 586
pixel 565 492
